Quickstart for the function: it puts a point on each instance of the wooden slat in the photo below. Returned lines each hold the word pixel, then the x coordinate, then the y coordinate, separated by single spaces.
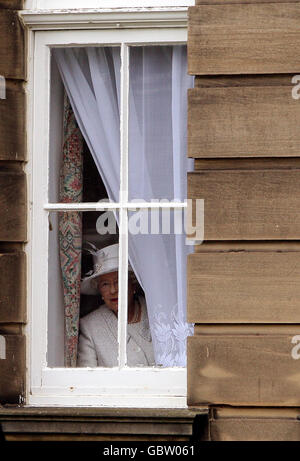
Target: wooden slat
pixel 11 328
pixel 228 412
pixel 248 205
pixel 12 4
pixel 227 329
pixel 12 45
pixel 244 287
pixel 243 122
pixel 7 247
pixel 224 81
pixel 244 38
pixel 261 429
pixel 12 126
pixel 13 288
pixel 12 207
pixel 236 245
pixel 12 370
pixel 255 424
pixel 289 163
pixel 243 370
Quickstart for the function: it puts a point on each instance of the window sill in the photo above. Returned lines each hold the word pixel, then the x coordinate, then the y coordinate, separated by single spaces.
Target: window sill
pixel 96 424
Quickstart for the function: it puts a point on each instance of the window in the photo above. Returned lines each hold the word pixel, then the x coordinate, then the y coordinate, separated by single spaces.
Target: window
pixel 121 385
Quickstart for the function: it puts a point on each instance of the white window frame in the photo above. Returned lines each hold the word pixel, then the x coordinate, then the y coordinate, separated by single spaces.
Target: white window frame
pixel 94 4
pixel 111 387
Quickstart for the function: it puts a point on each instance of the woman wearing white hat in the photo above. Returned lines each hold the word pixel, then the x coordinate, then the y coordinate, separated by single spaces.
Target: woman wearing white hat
pixel 98 339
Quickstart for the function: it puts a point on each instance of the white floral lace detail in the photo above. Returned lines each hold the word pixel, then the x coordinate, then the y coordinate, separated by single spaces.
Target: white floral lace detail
pixel 169 335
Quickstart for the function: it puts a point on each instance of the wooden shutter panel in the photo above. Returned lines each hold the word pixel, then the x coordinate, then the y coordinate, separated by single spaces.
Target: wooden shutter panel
pixel 259 286
pixel 12 369
pixel 244 38
pixel 255 424
pixel 13 206
pixel 12 126
pixel 13 287
pixel 243 368
pixel 12 4
pixel 244 121
pixel 248 204
pixel 12 45
pixel 243 281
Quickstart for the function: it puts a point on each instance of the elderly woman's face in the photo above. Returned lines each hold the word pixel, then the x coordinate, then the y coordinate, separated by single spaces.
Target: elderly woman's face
pixel 108 288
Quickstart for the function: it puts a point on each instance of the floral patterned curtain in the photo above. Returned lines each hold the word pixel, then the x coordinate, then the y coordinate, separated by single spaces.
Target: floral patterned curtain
pixel 70 230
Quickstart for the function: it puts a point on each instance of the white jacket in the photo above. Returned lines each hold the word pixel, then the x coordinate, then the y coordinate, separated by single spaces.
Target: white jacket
pixel 98 340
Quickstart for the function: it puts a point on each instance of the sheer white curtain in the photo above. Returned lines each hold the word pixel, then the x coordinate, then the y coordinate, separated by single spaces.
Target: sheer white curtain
pixel 157 166
pixel 91 78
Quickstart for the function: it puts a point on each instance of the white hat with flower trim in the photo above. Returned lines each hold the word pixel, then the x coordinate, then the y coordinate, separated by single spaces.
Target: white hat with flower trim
pixel 105 261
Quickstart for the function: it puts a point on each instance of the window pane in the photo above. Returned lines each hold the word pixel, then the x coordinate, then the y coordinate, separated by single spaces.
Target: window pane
pixel 87 170
pixel 157 122
pixel 85 120
pixel 74 242
pixel 83 314
pixel 158 254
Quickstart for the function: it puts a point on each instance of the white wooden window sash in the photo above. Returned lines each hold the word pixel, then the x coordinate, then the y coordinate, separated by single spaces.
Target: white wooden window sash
pixel 119 386
pixel 123 206
pixel 107 4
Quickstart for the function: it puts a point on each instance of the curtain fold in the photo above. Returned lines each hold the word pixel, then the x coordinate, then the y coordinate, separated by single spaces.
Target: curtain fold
pixel 70 230
pixel 157 165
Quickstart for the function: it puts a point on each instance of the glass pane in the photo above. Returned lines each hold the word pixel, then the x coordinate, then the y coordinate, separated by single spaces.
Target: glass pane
pixel 79 249
pixel 157 122
pixel 83 294
pixel 158 167
pixel 158 254
pixel 85 124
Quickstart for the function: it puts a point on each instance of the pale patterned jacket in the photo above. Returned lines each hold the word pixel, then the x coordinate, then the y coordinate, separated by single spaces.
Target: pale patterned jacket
pixel 98 340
